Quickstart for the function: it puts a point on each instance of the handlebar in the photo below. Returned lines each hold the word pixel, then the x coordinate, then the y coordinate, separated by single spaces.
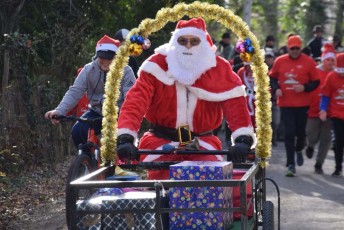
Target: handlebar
pixel 88 120
pixel 174 151
pixel 165 164
pixel 183 151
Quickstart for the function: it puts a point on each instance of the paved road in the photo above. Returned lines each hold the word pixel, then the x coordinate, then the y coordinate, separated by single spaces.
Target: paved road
pixel 308 200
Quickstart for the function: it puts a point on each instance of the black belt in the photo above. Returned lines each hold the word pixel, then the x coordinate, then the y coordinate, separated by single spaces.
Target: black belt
pixel 182 134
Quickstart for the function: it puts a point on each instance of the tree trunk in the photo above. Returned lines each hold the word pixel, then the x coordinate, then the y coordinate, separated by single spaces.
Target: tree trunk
pixel 247 12
pixel 4 97
pixel 339 19
pixel 270 9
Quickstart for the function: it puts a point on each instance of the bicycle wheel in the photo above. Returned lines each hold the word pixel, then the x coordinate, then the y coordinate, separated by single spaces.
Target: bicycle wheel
pixel 81 166
pixel 268 215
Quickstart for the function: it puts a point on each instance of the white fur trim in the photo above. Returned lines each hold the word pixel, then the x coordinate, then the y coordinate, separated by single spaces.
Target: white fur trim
pixel 127 131
pixel 339 69
pixel 245 131
pixel 181 104
pixel 157 72
pixel 151 157
pixel 189 31
pixel 163 49
pixel 208 96
pixel 186 105
pixel 107 46
pixel 209 147
pixel 214 48
pixel 191 110
pixel 328 55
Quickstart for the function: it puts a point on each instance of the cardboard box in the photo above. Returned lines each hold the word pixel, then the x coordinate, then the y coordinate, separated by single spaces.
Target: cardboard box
pixel 201 197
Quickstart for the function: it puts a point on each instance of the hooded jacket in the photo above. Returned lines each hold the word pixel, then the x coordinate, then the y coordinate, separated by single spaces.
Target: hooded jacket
pixel 92 80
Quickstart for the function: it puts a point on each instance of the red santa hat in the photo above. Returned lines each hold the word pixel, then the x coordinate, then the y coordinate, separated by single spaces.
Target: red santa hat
pixel 107 47
pixel 340 63
pixel 328 52
pixel 196 27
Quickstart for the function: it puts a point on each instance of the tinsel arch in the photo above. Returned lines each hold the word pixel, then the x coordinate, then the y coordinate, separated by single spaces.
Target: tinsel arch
pixel 148 26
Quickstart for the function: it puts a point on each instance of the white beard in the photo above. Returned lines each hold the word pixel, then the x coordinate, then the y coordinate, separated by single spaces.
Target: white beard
pixel 187 65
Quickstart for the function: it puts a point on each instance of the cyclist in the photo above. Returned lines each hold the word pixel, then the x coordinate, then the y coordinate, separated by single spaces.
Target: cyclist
pixel 184 88
pixel 91 80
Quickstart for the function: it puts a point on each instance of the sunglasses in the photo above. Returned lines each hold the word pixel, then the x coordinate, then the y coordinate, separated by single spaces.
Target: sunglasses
pixel 295 48
pixel 184 41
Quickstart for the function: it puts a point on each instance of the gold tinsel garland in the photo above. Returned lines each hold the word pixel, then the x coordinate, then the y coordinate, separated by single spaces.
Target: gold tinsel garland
pixel 196 9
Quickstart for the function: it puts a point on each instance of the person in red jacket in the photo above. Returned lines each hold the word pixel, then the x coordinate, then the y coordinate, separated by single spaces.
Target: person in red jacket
pixel 246 75
pixel 184 88
pixel 319 131
pixel 293 76
pixel 332 105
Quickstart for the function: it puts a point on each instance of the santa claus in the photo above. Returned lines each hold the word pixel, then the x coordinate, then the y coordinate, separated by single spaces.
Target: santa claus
pixel 184 90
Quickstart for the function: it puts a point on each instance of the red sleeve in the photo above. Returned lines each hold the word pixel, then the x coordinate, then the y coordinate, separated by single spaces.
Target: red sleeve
pixel 241 73
pixel 137 102
pixel 313 72
pixel 82 105
pixel 72 111
pixel 274 72
pixel 236 113
pixel 326 90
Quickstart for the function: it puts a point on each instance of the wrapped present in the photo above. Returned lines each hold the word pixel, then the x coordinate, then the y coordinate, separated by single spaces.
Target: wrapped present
pixel 201 197
pixel 128 200
pixel 108 192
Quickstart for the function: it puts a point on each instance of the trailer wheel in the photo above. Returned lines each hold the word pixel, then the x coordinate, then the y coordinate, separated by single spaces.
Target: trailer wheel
pixel 81 166
pixel 268 215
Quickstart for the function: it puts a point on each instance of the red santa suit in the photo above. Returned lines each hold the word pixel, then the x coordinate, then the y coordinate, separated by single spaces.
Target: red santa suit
pixel 166 102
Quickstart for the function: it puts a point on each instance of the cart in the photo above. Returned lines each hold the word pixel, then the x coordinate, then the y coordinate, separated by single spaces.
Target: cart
pixel 254 171
pixel 263 215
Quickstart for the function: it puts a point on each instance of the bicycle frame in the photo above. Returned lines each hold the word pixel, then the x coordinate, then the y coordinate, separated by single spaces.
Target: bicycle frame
pixel 93 141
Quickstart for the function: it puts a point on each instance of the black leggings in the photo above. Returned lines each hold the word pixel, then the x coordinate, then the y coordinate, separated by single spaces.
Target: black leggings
pixel 294 120
pixel 338 127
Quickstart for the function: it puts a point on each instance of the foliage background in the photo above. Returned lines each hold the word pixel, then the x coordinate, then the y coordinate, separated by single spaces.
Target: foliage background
pixel 43 42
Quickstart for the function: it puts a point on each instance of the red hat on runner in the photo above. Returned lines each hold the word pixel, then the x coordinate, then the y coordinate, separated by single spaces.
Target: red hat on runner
pixel 294 41
pixel 328 52
pixel 340 63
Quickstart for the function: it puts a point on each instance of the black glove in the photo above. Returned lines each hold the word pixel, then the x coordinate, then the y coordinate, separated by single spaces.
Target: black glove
pixel 126 149
pixel 241 149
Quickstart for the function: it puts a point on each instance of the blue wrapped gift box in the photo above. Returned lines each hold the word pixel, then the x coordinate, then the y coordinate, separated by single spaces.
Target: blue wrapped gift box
pixel 201 197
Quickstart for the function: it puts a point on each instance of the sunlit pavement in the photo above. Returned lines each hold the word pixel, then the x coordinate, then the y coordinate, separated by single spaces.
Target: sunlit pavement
pixel 308 200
